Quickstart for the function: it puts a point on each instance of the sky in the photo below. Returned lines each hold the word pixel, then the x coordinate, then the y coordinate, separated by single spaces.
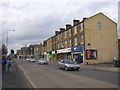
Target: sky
pixel 36 20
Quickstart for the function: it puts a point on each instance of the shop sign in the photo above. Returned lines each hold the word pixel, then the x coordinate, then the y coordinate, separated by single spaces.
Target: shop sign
pixel 53 52
pixel 64 50
pixel 77 49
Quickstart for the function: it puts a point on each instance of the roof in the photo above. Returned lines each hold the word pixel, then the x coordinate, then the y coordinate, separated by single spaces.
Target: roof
pixel 98 14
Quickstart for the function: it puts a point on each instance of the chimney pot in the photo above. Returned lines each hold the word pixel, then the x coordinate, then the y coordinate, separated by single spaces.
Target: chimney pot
pixel 75 22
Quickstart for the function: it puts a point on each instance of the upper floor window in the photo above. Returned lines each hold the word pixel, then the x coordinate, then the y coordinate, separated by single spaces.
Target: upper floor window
pixel 62 46
pixel 65 33
pixel 58 45
pixel 58 37
pixel 75 41
pixel 81 26
pixel 75 29
pixel 81 36
pixel 65 43
pixel 61 35
pixel 70 42
pixel 99 25
pixel 69 32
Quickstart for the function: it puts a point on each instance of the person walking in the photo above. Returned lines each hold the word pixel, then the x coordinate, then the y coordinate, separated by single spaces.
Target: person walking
pixel 9 64
pixel 4 62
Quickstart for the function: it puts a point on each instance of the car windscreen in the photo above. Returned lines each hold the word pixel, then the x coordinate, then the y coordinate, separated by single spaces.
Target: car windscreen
pixel 70 62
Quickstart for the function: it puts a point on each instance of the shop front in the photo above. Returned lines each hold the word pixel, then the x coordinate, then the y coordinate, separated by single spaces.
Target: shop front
pixel 78 53
pixel 53 55
pixel 64 54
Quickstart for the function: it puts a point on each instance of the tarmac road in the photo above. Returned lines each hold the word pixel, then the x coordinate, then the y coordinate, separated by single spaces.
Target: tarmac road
pixel 50 77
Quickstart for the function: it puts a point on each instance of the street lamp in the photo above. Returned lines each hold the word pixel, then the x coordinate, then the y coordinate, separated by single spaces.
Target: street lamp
pixel 7 38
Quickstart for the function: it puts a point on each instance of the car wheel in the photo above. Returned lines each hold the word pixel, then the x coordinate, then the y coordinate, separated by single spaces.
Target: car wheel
pixel 59 67
pixel 66 68
pixel 77 69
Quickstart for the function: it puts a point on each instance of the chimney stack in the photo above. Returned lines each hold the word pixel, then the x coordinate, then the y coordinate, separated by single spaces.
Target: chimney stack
pixel 68 26
pixel 75 22
pixel 57 32
pixel 62 29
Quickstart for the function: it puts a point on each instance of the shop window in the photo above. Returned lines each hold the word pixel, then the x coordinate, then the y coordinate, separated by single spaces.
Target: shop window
pixel 91 54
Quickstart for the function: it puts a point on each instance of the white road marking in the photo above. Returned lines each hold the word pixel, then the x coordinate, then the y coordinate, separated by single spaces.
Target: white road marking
pixel 27 76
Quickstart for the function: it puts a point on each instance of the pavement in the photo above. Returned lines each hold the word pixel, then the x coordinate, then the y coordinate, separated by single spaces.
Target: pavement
pixel 13 79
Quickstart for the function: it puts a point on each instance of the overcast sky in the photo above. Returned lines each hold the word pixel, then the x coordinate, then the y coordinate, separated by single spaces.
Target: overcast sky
pixel 36 20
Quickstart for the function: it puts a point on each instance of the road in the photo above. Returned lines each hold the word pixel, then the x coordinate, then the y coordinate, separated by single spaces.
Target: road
pixel 52 77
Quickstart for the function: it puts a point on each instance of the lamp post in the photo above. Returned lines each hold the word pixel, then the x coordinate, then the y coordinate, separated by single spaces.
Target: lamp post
pixel 7 38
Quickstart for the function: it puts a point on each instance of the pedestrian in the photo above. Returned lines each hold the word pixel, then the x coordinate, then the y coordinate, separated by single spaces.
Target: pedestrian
pixel 9 64
pixel 4 62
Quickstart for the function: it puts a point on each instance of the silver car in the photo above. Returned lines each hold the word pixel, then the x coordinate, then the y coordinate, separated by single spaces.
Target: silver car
pixel 28 59
pixel 32 60
pixel 43 61
pixel 68 65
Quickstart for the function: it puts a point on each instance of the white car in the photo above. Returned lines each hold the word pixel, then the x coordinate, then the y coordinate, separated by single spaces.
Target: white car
pixel 43 61
pixel 68 65
pixel 28 59
pixel 32 60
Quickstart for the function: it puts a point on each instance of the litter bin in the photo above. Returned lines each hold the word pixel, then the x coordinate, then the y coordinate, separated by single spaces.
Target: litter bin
pixel 118 63
pixel 115 63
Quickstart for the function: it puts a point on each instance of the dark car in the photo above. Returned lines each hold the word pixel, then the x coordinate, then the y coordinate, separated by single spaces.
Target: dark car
pixel 68 65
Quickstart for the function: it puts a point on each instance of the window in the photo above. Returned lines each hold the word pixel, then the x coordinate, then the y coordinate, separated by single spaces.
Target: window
pixel 65 33
pixel 58 37
pixel 58 45
pixel 70 42
pixel 81 36
pixel 75 41
pixel 81 26
pixel 99 25
pixel 69 32
pixel 75 29
pixel 65 43
pixel 62 45
pixel 91 54
pixel 61 35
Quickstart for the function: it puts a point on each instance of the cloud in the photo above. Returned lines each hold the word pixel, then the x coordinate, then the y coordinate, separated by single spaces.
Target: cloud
pixel 36 20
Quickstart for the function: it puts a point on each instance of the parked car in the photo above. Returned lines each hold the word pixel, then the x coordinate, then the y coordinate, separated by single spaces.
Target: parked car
pixel 43 61
pixel 68 65
pixel 32 60
pixel 28 59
